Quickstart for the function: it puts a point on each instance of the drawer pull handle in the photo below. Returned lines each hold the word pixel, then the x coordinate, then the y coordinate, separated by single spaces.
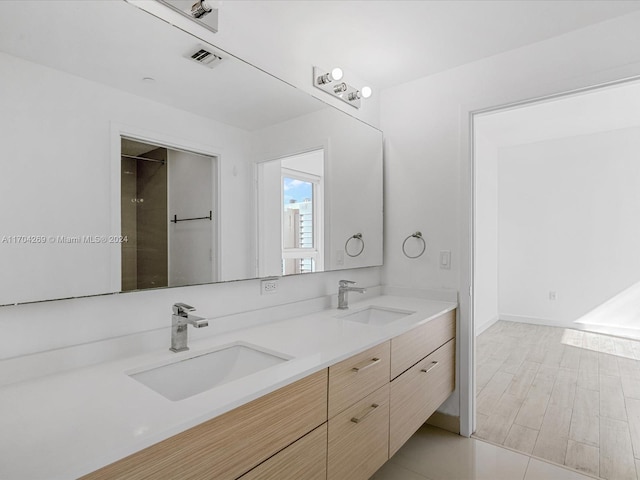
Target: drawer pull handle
pixel 366 414
pixel 427 370
pixel 370 363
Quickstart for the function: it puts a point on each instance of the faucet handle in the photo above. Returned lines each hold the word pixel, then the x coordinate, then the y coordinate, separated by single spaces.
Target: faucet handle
pixel 182 309
pixel 346 283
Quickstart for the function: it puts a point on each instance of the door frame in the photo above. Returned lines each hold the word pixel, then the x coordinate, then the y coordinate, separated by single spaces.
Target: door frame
pixel 168 141
pixel 467 299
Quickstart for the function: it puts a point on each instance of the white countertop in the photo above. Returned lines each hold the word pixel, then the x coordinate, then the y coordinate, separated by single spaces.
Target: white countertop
pixel 66 425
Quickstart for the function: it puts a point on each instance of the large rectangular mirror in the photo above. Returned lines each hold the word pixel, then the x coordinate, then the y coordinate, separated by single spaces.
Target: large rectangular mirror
pixel 132 161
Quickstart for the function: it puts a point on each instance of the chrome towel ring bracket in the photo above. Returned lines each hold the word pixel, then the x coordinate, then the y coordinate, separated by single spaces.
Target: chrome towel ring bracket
pixel 417 235
pixel 357 236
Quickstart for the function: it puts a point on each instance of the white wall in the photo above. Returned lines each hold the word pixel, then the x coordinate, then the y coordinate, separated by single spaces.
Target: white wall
pixel 269 218
pixel 427 150
pixel 486 234
pixel 192 255
pixel 311 163
pixel 568 215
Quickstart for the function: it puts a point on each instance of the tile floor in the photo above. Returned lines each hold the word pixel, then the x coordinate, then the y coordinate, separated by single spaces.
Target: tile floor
pixel 434 454
pixel 571 397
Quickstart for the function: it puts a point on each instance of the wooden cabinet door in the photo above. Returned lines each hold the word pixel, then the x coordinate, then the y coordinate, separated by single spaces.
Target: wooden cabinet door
pixel 359 438
pixel 305 459
pixel 418 392
pixel 411 347
pixel 357 376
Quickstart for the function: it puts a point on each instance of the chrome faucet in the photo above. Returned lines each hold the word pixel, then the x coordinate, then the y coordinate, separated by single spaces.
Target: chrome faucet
pixel 180 319
pixel 343 290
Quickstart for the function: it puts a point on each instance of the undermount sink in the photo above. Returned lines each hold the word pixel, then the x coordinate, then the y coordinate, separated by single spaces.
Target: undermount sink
pixel 376 316
pixel 190 376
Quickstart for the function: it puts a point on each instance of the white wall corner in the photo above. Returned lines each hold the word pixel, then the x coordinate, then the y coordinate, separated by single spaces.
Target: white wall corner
pixel 481 326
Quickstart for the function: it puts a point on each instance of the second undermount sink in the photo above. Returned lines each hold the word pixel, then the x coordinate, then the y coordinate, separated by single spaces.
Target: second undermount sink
pixel 376 316
pixel 190 376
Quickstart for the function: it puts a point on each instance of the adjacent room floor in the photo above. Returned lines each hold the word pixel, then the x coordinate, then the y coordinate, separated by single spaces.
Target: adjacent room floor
pixel 434 454
pixel 570 397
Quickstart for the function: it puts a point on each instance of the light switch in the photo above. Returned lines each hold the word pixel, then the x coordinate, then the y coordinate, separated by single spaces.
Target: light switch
pixel 445 259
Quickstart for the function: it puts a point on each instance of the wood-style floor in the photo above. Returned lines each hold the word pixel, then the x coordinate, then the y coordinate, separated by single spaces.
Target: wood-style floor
pixel 567 396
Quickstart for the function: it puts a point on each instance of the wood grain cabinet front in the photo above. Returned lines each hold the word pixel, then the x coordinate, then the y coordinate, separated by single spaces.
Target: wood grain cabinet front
pixel 418 392
pixel 230 445
pixel 359 438
pixel 306 459
pixel 357 376
pixel 413 346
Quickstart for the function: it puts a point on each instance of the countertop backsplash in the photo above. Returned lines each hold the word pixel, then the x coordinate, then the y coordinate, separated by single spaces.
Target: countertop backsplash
pixel 49 337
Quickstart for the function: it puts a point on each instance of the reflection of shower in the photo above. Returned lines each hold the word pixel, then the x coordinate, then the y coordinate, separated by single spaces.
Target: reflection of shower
pixel 159 188
pixel 144 215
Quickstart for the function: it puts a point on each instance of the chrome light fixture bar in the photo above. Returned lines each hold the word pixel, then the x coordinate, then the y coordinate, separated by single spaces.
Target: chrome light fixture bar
pixel 331 83
pixel 200 11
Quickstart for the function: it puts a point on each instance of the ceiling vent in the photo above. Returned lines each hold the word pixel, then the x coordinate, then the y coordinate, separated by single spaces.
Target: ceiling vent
pixel 204 56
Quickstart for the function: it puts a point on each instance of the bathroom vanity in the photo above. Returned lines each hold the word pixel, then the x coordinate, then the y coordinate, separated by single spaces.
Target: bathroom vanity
pixel 351 388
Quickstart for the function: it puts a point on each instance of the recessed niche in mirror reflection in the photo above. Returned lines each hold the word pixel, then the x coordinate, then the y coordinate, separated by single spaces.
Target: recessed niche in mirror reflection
pixel 72 88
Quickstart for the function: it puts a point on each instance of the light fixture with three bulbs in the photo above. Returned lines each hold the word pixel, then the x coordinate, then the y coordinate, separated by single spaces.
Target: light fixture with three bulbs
pixel 330 82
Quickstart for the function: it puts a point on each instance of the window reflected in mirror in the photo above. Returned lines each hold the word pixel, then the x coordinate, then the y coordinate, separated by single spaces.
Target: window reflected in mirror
pixel 302 222
pixel 300 226
pixel 299 198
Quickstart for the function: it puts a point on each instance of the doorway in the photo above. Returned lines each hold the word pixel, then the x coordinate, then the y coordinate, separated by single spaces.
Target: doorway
pixel 555 265
pixel 167 216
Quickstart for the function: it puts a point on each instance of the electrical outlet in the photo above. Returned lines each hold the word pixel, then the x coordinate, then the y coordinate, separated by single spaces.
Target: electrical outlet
pixel 269 286
pixel 339 258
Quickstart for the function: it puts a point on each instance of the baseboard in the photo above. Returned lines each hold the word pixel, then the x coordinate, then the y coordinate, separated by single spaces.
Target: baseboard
pixel 446 422
pixel 536 321
pixel 610 330
pixel 481 327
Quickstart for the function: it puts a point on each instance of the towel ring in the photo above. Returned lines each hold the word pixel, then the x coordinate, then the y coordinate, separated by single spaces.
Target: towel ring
pixel 357 236
pixel 417 235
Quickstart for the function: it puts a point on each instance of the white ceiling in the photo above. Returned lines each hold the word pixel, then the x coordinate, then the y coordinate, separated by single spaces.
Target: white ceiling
pixel 387 43
pixel 597 110
pixel 114 43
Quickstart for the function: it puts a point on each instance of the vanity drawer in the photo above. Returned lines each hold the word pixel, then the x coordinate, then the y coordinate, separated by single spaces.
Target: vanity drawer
pixel 411 347
pixel 359 438
pixel 233 443
pixel 418 392
pixel 306 458
pixel 354 378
